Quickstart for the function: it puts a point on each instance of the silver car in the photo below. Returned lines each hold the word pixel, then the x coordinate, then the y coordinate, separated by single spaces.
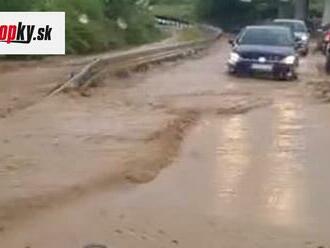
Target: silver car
pixel 300 32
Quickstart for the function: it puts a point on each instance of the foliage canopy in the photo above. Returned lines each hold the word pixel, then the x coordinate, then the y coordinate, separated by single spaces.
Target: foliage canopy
pixel 96 25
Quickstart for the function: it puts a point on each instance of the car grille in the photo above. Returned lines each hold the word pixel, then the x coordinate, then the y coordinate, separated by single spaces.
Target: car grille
pixel 256 56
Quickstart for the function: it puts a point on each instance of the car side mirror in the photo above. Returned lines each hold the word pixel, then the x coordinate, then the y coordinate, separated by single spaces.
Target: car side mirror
pixel 231 42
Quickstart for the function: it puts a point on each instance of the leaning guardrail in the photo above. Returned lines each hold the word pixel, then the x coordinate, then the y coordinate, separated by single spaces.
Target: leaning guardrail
pixel 162 21
pixel 113 63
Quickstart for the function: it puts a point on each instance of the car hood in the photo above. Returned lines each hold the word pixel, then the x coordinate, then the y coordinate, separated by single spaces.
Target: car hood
pixel 265 50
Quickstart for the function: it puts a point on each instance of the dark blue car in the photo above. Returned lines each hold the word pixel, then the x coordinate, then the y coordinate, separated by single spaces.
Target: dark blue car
pixel 267 50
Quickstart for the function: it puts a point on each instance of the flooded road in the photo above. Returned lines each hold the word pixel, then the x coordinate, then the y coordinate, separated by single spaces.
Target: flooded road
pixel 250 170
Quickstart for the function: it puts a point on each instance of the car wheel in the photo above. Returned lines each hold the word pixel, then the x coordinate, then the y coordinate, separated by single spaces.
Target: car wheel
pixel 281 77
pixel 327 65
pixel 324 50
pixel 293 77
pixel 285 77
pixel 305 53
pixel 231 71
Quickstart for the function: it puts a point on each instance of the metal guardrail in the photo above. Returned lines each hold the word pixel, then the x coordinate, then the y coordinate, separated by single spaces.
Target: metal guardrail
pixel 162 21
pixel 134 59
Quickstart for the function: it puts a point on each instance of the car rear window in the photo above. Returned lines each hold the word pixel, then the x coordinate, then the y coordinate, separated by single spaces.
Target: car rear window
pixel 295 26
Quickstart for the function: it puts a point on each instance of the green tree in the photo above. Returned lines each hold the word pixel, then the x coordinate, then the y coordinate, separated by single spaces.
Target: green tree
pixel 137 22
pixel 230 13
pixel 16 5
pixel 96 25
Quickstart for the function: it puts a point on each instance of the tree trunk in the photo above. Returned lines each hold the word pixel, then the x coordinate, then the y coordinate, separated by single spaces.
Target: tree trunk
pixel 326 13
pixel 301 9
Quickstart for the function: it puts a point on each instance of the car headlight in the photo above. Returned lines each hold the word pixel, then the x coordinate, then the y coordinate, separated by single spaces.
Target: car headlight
pixel 290 60
pixel 304 37
pixel 234 58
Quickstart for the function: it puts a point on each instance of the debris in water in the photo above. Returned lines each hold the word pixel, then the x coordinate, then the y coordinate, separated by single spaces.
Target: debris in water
pixel 174 241
pixel 95 246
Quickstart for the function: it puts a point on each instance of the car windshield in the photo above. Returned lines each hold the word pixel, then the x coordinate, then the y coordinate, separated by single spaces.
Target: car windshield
pixel 266 36
pixel 295 26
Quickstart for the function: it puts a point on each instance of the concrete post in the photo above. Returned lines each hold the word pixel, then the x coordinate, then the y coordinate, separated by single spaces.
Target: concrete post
pixel 284 9
pixel 301 9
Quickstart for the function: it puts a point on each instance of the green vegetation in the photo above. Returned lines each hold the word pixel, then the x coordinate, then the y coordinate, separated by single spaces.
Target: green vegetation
pixel 97 25
pixel 183 9
pixel 184 12
pixel 316 7
pixel 231 13
pixel 235 13
pixel 190 34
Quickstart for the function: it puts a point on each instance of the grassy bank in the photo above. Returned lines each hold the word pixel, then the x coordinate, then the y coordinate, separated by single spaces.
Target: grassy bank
pixel 181 11
pixel 97 25
pixel 190 34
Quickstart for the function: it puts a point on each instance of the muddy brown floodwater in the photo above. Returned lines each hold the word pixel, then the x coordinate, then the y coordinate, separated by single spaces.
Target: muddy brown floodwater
pixel 180 156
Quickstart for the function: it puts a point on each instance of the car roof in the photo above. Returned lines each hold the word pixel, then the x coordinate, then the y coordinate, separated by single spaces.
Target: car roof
pixel 267 27
pixel 289 20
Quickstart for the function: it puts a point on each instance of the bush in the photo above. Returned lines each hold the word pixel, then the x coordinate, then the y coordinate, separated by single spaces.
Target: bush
pixel 139 23
pixel 92 25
